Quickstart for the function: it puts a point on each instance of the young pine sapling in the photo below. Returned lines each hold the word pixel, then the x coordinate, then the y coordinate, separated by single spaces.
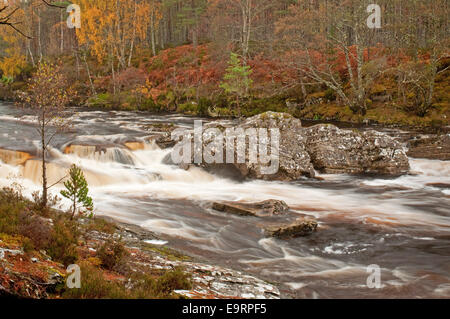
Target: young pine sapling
pixel 77 191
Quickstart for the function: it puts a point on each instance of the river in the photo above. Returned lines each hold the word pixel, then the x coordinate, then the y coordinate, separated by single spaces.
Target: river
pixel 401 224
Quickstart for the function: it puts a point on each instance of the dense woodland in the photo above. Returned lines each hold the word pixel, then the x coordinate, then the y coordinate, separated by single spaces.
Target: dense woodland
pixel 321 60
pixel 316 59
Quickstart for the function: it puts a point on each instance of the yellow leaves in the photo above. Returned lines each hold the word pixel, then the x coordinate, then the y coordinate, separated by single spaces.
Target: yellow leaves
pixel 144 91
pixel 13 61
pixel 109 27
pixel 11 66
pixel 47 91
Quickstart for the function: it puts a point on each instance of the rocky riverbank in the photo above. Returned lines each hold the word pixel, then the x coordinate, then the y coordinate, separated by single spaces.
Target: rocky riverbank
pixel 25 274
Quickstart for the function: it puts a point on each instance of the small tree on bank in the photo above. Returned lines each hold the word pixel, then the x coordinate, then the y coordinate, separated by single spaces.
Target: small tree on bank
pixel 236 80
pixel 77 191
pixel 47 95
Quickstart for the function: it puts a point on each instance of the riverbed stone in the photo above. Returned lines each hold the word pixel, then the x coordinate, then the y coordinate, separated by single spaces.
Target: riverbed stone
pixel 266 208
pixel 299 228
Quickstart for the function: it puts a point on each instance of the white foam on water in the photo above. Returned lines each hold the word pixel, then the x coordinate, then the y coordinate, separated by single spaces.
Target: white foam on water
pixel 156 242
pixel 123 189
pixel 296 285
pixel 423 172
pixel 149 177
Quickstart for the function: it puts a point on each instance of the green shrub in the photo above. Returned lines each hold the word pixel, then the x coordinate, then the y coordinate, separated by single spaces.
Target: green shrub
pixel 203 106
pixel 114 256
pixel 225 112
pixel 28 245
pixel 37 229
pixel 139 286
pixel 146 286
pixel 64 240
pixel 262 105
pixel 101 225
pixel 148 105
pixel 330 95
pixel 172 280
pixel 94 286
pixel 189 108
pixel 11 205
pixel 102 100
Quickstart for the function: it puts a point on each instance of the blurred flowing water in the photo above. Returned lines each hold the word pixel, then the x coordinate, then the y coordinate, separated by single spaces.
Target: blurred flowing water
pixel 401 224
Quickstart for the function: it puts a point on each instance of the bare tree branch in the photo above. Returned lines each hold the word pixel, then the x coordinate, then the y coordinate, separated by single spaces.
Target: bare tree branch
pixel 7 20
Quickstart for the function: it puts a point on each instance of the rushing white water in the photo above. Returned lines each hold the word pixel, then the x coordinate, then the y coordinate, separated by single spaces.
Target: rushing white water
pixel 402 224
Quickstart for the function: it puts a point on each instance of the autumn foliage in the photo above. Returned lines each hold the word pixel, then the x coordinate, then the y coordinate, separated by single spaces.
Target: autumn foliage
pixel 172 55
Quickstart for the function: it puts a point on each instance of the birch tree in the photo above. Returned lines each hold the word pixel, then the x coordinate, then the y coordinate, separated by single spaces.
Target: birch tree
pixel 47 96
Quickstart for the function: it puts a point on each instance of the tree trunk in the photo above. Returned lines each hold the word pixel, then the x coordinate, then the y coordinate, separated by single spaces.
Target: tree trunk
pixel 89 75
pixel 152 24
pixel 195 37
pixel 39 35
pixel 74 206
pixel 246 28
pixel 113 76
pixel 76 51
pixel 44 198
pixel 62 33
pixel 361 94
pixel 134 34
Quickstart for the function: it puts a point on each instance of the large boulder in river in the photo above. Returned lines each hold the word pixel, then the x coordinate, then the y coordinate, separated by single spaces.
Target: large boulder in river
pixel 336 151
pixel 294 160
pixel 300 151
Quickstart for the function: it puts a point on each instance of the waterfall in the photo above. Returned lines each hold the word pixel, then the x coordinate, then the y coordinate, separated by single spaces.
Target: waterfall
pixel 102 154
pixel 14 157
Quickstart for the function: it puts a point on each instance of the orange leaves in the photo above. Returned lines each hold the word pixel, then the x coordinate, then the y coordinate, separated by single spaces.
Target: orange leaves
pixel 131 78
pixel 183 66
pixel 264 70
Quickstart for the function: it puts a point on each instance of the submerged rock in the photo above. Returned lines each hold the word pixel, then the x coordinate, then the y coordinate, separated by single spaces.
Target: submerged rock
pixel 299 228
pixel 336 151
pixel 162 134
pixel 266 208
pixel 438 185
pixel 135 145
pixel 164 141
